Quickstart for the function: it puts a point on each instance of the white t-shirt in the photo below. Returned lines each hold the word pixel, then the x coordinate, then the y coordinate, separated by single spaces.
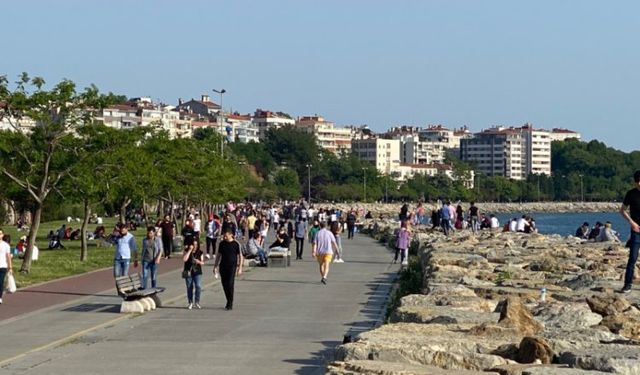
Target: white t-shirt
pixel 4 250
pixel 521 225
pixel 512 225
pixel 196 225
pixel 495 223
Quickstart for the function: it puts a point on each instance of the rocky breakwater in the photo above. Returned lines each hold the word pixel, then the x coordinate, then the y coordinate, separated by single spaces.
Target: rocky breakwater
pixel 392 209
pixel 483 311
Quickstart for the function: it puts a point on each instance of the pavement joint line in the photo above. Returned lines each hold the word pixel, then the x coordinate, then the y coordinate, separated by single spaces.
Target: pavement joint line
pixel 86 331
pixel 67 303
pixel 63 340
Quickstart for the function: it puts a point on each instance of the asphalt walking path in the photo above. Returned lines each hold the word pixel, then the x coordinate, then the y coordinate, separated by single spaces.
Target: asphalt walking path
pixel 284 321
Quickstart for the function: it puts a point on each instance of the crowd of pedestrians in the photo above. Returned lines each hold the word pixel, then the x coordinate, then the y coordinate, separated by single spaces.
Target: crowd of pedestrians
pixel 230 235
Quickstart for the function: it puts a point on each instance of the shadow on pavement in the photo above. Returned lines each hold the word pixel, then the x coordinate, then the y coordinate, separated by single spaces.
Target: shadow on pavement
pixel 67 293
pixel 94 307
pixel 318 361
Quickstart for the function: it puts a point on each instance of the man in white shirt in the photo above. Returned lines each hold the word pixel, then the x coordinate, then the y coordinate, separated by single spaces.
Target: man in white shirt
pixel 5 261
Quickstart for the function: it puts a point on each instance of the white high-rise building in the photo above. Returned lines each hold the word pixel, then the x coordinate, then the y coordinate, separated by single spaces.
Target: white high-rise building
pixel 510 152
pixel 383 153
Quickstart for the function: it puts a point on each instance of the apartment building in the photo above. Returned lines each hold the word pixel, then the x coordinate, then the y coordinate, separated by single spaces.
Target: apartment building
pixel 560 134
pixel 265 120
pixel 383 153
pixel 143 112
pixel 240 128
pixel 204 106
pixel 510 152
pixel 328 136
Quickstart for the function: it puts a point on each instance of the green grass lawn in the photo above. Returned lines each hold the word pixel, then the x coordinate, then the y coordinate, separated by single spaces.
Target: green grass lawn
pixel 54 264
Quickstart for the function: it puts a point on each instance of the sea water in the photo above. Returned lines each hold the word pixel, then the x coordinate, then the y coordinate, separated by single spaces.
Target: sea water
pixel 566 223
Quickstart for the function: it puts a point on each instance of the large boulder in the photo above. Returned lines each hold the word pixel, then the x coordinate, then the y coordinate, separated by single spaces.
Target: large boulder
pixel 533 350
pixel 566 316
pixel 513 314
pixel 606 305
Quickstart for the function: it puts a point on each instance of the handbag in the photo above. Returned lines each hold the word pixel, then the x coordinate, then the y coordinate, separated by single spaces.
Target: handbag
pixel 11 283
pixel 185 274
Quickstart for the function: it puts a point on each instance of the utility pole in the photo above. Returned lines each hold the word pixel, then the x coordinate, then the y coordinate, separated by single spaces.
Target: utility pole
pixel 581 189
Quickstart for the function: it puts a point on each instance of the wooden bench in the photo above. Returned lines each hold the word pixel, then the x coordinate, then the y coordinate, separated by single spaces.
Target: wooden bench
pixel 282 257
pixel 135 299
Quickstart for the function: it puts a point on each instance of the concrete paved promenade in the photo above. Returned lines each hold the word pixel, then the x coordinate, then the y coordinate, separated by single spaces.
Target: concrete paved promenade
pixel 284 322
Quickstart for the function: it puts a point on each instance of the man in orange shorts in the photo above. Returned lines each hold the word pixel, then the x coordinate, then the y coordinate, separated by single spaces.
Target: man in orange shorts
pixel 323 246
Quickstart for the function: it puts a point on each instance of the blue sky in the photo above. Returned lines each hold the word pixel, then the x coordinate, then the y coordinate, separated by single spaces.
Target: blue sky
pixel 571 64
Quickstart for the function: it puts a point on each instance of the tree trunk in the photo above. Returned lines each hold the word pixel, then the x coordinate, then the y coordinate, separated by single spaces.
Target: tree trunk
pixel 123 210
pixel 33 232
pixel 160 209
pixel 144 213
pixel 84 254
pixel 184 211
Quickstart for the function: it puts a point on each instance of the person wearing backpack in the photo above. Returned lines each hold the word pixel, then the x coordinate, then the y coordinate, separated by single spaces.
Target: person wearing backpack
pixel 403 238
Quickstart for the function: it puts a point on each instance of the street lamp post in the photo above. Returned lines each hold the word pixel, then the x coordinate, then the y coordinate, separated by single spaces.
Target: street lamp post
pixel 222 91
pixel 309 183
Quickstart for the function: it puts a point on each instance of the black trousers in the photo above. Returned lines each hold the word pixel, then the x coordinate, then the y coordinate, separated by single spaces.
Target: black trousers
pixel 351 229
pixel 3 273
pixel 228 278
pixel 299 247
pixel 166 246
pixel 211 244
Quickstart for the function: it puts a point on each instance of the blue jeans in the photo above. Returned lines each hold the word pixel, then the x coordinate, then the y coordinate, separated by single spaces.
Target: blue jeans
pixel 194 282
pixel 149 269
pixel 633 257
pixel 262 256
pixel 120 267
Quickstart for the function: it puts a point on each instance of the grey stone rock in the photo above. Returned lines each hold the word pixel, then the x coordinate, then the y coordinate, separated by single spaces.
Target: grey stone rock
pixel 566 316
pixel 616 359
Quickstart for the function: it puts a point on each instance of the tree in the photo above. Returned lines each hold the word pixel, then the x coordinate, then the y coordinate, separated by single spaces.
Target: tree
pixel 40 161
pixel 287 184
pixel 293 147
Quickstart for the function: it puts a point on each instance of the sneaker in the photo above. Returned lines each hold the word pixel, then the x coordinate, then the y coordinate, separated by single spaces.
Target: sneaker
pixel 190 306
pixel 626 289
pixel 0 301
pixel 339 261
pixel 197 306
pixel 207 256
pixel 324 281
pixel 405 263
pixel 228 308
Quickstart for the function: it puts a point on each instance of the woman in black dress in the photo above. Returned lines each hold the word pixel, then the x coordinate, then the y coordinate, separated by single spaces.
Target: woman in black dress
pixel 228 264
